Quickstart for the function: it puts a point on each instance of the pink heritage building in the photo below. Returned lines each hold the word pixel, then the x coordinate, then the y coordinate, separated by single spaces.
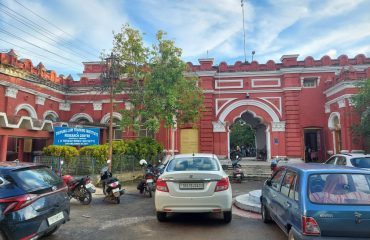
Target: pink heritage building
pixel 293 106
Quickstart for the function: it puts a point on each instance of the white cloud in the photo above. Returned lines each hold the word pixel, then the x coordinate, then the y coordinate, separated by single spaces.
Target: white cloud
pixel 332 53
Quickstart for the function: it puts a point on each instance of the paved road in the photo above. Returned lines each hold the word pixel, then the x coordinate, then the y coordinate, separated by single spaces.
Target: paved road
pixel 135 218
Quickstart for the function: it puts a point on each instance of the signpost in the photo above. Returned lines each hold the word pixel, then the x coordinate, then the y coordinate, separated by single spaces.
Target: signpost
pixel 76 136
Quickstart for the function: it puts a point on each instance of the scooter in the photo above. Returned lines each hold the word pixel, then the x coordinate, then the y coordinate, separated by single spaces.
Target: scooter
pixel 238 174
pixel 112 188
pixel 79 188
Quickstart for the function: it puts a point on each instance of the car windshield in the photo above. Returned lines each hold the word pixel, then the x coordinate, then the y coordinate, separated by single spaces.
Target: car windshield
pixel 33 179
pixel 193 164
pixel 361 162
pixel 339 189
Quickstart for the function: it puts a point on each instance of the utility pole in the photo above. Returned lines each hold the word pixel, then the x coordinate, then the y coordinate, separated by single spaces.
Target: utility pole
pixel 245 53
pixel 108 82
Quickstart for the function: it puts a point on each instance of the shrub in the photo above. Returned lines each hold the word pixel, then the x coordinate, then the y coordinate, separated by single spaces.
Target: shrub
pixel 99 152
pixel 67 152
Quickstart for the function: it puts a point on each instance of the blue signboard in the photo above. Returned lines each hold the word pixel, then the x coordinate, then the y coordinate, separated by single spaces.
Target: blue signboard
pixel 76 136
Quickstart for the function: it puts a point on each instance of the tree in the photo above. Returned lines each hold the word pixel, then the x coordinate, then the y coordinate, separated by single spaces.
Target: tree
pixel 241 134
pixel 157 83
pixel 361 103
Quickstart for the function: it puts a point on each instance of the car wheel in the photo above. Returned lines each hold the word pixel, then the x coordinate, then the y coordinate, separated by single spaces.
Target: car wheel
pixel 161 216
pixel 51 232
pixel 291 235
pixel 228 216
pixel 265 214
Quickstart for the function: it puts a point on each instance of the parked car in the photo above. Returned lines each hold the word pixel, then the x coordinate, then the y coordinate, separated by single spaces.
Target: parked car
pixel 193 183
pixel 317 201
pixel 33 201
pixel 350 159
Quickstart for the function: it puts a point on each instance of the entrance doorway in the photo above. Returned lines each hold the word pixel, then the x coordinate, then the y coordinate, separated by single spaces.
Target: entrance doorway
pixel 249 133
pixel 313 151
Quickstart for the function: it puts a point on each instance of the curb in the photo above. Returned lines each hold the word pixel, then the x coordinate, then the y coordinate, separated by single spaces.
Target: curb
pixel 249 202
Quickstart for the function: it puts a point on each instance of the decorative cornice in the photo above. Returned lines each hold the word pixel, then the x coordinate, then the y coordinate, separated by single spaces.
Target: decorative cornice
pixel 64 106
pixel 340 87
pixel 98 106
pixel 26 123
pixel 40 100
pixel 219 126
pixel 278 126
pixel 11 92
pixel 341 103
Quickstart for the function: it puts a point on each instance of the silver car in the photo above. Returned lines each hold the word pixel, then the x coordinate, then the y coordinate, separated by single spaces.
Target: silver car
pixel 194 183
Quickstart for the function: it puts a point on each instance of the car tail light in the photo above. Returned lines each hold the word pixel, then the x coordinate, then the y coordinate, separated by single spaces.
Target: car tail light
pixel 310 226
pixel 148 177
pixel 222 185
pixel 162 185
pixel 18 202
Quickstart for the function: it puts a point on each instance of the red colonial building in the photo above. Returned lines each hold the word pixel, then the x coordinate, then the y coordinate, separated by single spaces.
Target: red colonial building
pixel 292 105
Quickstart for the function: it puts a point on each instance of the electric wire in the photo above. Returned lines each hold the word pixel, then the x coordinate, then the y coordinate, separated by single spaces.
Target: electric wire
pixel 23 40
pixel 40 55
pixel 56 46
pixel 40 29
pixel 85 44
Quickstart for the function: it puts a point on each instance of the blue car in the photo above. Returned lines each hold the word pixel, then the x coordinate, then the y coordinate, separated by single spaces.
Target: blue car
pixel 317 201
pixel 33 201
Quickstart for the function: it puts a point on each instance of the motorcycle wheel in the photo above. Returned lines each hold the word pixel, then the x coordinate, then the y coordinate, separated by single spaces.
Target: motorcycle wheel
pixel 118 200
pixel 87 197
pixel 150 193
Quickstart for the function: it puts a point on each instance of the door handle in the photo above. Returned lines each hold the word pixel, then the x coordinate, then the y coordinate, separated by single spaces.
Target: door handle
pixel 288 205
pixel 274 195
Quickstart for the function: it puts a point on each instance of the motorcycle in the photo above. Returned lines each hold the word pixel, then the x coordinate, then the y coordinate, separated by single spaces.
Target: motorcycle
pixel 112 188
pixel 79 188
pixel 149 181
pixel 238 174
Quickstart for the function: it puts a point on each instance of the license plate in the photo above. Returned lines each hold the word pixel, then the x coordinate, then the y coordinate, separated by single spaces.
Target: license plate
pixel 114 190
pixel 190 186
pixel 56 218
pixel 90 185
pixel 149 180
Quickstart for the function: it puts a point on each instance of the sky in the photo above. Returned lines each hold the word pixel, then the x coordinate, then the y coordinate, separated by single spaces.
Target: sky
pixel 64 33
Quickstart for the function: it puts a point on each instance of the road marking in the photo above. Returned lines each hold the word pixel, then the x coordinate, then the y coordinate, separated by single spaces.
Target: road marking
pixel 124 222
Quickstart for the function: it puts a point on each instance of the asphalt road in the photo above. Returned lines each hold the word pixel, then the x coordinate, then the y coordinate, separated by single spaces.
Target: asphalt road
pixel 135 218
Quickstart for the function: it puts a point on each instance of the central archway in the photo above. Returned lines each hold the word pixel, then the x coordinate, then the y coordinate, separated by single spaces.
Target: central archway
pixel 262 116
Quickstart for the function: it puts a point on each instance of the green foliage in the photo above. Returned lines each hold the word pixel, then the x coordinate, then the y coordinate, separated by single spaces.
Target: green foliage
pixel 241 134
pixel 361 103
pixel 157 87
pixel 99 152
pixel 67 152
pixel 173 98
pixel 144 148
pixel 119 147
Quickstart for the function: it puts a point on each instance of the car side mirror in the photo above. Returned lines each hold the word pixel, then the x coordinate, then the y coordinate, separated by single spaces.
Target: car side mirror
pixel 1 181
pixel 268 182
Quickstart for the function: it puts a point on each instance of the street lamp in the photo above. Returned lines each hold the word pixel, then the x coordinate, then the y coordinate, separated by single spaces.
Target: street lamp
pixel 111 75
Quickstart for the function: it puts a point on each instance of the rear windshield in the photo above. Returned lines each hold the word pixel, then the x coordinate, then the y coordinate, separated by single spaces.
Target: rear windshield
pixel 33 179
pixel 193 164
pixel 361 162
pixel 340 189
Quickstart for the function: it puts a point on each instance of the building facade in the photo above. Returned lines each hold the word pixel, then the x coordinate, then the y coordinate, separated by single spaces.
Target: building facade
pixel 298 109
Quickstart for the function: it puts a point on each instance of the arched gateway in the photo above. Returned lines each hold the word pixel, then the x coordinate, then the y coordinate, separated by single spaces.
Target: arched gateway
pixel 273 130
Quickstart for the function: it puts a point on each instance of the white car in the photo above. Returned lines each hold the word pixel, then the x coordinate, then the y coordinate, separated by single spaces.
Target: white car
pixel 193 183
pixel 350 159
